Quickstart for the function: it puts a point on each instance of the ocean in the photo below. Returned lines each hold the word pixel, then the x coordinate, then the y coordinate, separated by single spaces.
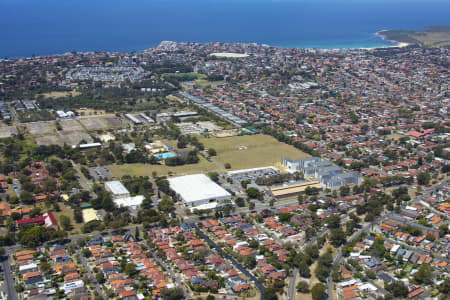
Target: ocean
pixel 41 27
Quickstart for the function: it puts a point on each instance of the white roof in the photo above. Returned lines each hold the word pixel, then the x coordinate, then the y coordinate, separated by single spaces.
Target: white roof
pixel 27 267
pixel 116 187
pixel 129 201
pixel 197 187
pixel 205 206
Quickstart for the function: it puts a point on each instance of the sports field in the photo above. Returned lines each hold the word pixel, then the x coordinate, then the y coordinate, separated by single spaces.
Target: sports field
pixel 241 152
pixel 251 151
pixel 146 169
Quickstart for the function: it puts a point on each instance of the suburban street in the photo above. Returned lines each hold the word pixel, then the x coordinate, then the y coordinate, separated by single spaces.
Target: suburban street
pixel 8 277
pixel 241 268
pixel 84 262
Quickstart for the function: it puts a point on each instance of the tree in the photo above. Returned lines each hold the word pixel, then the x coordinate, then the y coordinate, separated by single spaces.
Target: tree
pixel 312 251
pixel 227 166
pixel 137 234
pixel 172 294
pixel 333 221
pixel 36 211
pixel 214 176
pixel 130 269
pixel 65 223
pixel 443 229
pixel 86 252
pixel 303 287
pixel 424 275
pixel 100 278
pixel 26 197
pixel 78 215
pixel 270 293
pixel 240 202
pixel 397 289
pixel 249 261
pixel 423 178
pixel 337 237
pixel 34 236
pixel 253 193
pixel 251 205
pixel 378 247
pixel 322 272
pixel 318 291
pixel 303 269
pixel 212 152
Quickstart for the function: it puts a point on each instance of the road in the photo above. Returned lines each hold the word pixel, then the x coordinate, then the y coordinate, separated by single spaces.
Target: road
pixel 240 267
pixel 291 286
pixel 82 179
pixel 8 277
pixel 169 270
pixel 92 278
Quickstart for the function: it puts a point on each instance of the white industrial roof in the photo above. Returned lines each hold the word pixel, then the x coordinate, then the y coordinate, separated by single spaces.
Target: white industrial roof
pixel 129 201
pixel 116 187
pixel 197 187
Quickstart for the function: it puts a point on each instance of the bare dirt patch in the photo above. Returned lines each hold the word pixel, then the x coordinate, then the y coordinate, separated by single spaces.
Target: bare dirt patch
pixel 114 121
pixel 40 127
pixel 70 125
pixel 74 138
pixel 60 94
pixel 47 140
pixel 7 131
pixel 92 123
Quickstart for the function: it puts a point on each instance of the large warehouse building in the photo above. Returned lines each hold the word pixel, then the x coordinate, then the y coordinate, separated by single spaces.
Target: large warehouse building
pixel 198 190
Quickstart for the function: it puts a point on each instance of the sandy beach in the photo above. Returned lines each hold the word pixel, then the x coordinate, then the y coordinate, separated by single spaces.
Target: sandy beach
pixel 229 54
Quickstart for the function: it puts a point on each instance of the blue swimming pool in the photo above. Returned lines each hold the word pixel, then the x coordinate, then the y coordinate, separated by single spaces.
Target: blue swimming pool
pixel 164 155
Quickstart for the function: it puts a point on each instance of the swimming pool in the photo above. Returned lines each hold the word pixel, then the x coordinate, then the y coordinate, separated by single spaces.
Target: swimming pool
pixel 164 155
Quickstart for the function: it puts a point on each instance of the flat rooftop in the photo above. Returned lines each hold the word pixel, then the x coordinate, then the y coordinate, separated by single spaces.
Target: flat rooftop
pixel 116 187
pixel 197 187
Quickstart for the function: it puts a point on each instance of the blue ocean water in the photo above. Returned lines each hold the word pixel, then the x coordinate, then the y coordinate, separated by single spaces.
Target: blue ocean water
pixel 42 27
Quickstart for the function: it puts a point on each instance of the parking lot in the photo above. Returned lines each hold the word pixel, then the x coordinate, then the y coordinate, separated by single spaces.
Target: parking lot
pixel 253 174
pixel 40 127
pixel 92 123
pixel 100 173
pixel 7 131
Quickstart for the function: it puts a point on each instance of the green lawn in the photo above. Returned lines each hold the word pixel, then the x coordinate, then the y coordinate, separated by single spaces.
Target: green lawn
pixel 241 152
pixel 185 76
pixel 252 151
pixel 147 169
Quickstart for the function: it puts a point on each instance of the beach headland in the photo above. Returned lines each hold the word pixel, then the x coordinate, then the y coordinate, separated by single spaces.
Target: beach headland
pixel 431 36
pixel 383 34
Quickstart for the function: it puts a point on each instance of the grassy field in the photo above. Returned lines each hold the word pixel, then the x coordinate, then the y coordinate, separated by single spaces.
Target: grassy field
pixel 185 76
pixel 241 152
pixel 253 151
pixel 146 169
pixel 433 39
pixel 203 83
pixel 60 94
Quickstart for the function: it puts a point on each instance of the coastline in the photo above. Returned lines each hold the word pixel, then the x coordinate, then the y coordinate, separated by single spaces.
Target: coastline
pixel 397 43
